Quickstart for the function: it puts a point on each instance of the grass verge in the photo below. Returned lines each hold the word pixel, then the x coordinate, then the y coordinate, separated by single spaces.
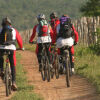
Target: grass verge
pixel 87 64
pixel 24 89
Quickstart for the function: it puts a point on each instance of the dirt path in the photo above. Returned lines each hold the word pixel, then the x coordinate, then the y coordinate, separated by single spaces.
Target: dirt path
pixel 56 89
pixel 3 91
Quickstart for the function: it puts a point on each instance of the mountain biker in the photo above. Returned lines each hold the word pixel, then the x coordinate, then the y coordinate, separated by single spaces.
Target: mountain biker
pixel 62 41
pixel 6 24
pixel 54 21
pixel 42 38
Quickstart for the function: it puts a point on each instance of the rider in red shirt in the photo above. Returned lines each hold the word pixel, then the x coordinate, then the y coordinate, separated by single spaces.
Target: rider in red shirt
pixel 72 48
pixel 43 39
pixel 54 21
pixel 6 22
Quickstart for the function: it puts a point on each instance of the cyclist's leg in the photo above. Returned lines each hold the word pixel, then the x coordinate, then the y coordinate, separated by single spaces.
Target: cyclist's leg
pixel 12 60
pixel 48 51
pixel 72 57
pixel 40 47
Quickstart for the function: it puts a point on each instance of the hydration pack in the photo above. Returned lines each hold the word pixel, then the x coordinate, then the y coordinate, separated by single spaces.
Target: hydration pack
pixel 6 36
pixel 65 27
pixel 43 27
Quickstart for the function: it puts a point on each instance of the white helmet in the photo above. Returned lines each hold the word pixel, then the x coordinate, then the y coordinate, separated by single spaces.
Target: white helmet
pixel 41 16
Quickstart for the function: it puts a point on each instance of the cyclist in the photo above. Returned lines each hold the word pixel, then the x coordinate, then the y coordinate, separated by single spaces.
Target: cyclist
pixel 6 23
pixel 67 39
pixel 43 31
pixel 54 21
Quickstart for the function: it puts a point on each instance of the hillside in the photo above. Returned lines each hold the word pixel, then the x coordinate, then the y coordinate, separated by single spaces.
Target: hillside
pixel 23 12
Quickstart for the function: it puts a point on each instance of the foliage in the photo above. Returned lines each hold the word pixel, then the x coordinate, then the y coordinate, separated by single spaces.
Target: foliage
pixel 91 8
pixel 23 12
pixel 96 47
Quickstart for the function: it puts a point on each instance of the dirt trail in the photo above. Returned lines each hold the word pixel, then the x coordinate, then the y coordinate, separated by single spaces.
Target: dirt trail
pixel 3 91
pixel 56 89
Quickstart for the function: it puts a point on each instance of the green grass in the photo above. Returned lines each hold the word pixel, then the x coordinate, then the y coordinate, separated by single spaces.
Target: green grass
pixel 87 64
pixel 30 47
pixel 25 91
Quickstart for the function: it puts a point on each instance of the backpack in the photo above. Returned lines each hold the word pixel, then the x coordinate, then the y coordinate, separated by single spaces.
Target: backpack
pixel 43 27
pixel 6 36
pixel 65 27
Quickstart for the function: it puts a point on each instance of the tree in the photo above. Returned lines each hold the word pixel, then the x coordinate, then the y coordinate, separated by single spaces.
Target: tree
pixel 91 8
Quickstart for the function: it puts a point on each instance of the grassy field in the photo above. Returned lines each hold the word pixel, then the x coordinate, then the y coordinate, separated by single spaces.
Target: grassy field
pixel 87 64
pixel 24 89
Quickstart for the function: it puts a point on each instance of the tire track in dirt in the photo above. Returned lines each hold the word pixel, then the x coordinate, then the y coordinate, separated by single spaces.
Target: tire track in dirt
pixel 56 89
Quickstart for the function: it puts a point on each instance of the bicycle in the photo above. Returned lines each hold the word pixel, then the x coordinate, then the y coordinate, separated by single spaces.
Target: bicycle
pixel 45 67
pixel 66 64
pixel 55 60
pixel 7 71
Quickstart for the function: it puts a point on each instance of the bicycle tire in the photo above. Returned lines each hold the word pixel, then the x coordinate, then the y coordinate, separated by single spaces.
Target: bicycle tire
pixel 7 81
pixel 10 79
pixel 48 70
pixel 67 72
pixel 57 67
pixel 43 71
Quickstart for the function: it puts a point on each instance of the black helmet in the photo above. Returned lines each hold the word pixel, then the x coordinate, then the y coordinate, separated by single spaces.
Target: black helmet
pixel 53 15
pixel 41 16
pixel 5 20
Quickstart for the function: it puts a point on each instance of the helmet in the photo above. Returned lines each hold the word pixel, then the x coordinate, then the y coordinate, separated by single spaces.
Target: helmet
pixel 65 15
pixel 41 16
pixel 53 15
pixel 5 20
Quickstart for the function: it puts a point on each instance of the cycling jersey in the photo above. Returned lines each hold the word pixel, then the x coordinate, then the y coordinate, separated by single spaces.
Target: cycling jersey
pixel 45 38
pixel 54 34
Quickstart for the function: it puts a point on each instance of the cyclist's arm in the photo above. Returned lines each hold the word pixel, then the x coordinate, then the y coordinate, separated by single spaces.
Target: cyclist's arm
pixel 19 39
pixel 76 34
pixel 33 34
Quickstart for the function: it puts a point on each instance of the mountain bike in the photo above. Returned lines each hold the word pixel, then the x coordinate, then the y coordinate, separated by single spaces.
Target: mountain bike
pixel 66 64
pixel 45 70
pixel 55 60
pixel 7 73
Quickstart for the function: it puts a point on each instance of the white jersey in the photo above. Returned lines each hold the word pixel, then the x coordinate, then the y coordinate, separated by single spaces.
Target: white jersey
pixel 11 46
pixel 43 39
pixel 63 41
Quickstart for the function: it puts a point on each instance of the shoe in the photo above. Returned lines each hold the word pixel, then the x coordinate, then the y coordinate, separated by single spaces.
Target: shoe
pixel 14 86
pixel 73 71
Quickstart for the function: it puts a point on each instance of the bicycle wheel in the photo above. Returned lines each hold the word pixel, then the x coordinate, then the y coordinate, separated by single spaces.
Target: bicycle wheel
pixel 57 66
pixel 43 71
pixel 10 79
pixel 48 70
pixel 67 72
pixel 7 80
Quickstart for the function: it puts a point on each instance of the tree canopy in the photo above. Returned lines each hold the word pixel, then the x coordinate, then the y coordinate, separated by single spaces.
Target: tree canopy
pixel 91 8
